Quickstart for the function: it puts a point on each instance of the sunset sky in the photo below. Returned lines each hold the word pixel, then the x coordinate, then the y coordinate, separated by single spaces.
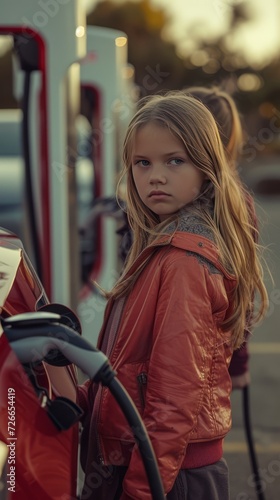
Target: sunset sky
pixel 260 41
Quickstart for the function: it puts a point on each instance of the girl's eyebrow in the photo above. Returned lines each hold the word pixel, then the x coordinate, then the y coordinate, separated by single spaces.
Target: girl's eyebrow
pixel 172 153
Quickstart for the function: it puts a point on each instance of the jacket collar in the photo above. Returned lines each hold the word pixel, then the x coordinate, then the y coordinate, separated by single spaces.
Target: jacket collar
pixel 186 241
pixel 190 234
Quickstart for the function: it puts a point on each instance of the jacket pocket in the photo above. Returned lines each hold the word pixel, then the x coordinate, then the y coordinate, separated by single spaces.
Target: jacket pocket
pixel 142 386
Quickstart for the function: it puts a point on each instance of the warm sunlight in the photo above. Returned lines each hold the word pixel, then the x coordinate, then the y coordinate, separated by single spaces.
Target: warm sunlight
pixel 258 40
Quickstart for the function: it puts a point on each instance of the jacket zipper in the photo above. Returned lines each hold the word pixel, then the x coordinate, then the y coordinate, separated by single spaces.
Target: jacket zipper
pixel 96 413
pixel 142 383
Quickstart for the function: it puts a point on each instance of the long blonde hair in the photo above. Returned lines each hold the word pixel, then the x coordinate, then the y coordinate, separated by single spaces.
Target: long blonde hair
pixel 194 125
pixel 225 112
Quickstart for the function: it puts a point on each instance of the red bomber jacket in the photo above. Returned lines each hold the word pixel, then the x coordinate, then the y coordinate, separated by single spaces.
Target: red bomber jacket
pixel 172 357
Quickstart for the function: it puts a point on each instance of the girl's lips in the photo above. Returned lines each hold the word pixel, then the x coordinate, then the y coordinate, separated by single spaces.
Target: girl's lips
pixel 157 194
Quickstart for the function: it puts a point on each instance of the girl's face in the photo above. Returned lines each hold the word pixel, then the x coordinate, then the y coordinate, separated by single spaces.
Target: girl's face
pixel 165 178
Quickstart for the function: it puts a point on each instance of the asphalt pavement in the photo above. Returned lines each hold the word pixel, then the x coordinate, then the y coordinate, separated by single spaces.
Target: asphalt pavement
pixel 264 347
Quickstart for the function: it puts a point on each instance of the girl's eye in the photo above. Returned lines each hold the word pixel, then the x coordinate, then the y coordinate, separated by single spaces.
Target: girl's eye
pixel 142 163
pixel 176 161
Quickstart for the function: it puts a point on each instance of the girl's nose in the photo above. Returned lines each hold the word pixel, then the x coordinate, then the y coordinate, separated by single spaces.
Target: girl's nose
pixel 157 175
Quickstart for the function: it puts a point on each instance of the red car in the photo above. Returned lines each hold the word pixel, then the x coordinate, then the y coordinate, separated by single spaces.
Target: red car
pixel 41 460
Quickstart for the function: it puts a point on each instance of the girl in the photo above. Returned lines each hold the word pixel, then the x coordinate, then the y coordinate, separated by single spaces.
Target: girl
pixel 177 311
pixel 226 115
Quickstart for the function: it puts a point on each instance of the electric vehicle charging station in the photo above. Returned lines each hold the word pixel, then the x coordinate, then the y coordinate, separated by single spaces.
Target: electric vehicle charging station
pixel 106 82
pixel 50 38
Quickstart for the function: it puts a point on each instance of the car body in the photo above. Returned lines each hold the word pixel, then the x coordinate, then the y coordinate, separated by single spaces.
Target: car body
pixel 41 460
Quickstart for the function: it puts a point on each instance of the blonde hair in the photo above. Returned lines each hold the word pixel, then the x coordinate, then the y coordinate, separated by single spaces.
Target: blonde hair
pixel 194 125
pixel 225 112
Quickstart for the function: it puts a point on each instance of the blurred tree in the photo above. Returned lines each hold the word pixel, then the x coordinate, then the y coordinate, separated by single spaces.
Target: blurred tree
pixel 214 61
pixel 160 65
pixel 157 65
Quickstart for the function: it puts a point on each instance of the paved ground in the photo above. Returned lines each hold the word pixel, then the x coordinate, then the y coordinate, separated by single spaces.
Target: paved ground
pixel 264 362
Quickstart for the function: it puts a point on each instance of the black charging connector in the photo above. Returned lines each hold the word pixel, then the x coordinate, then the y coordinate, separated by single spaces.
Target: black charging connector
pixel 26 49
